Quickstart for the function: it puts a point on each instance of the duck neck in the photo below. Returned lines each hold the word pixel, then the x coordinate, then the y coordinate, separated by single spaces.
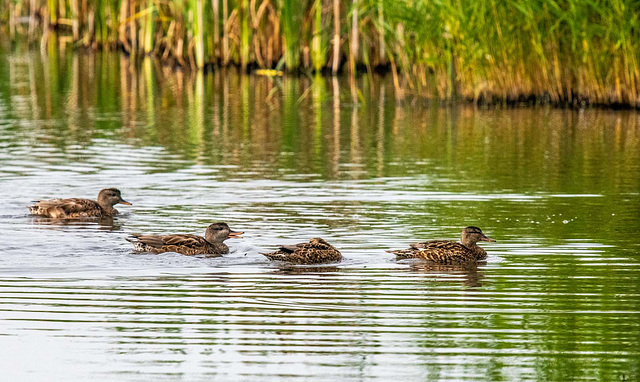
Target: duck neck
pixel 478 251
pixel 469 243
pixel 220 247
pixel 107 208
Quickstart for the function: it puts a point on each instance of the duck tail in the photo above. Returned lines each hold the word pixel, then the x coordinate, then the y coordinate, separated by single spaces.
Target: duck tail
pixel 274 255
pixel 403 253
pixel 133 238
pixel 138 246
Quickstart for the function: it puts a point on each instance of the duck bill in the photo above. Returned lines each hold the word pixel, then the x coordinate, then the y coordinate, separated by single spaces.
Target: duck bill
pixel 235 234
pixel 122 201
pixel 484 238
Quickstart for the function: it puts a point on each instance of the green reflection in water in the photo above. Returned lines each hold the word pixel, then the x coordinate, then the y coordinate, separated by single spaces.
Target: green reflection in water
pixel 522 173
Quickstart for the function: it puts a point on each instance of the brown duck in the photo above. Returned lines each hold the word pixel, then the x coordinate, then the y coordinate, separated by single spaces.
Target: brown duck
pixel 448 252
pixel 76 208
pixel 316 251
pixel 211 244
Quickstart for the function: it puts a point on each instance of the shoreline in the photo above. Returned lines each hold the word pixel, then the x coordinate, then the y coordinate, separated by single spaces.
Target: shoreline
pixel 488 101
pixel 568 54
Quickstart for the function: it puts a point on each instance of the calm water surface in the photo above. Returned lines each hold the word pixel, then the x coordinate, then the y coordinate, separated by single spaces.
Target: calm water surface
pixel 290 159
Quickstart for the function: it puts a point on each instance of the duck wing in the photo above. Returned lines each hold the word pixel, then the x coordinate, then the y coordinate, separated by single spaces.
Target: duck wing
pixel 316 252
pixel 177 240
pixel 60 208
pixel 283 253
pixel 437 251
pixel 289 248
pixel 443 252
pixel 153 241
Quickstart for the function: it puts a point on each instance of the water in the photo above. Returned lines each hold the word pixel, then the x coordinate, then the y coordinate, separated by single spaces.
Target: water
pixel 289 159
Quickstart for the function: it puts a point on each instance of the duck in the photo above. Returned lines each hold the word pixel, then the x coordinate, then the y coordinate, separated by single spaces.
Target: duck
pixel 76 208
pixel 316 251
pixel 211 244
pixel 449 252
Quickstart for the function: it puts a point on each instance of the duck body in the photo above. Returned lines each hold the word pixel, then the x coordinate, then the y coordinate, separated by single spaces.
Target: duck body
pixel 72 208
pixel 448 252
pixel 77 208
pixel 316 251
pixel 181 243
pixel 442 252
pixel 211 244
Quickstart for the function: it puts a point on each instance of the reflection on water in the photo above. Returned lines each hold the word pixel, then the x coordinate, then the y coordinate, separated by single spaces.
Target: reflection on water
pixel 106 223
pixel 287 159
pixel 470 275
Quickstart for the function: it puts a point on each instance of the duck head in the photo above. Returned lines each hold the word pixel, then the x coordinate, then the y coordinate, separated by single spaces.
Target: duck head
pixel 110 197
pixel 219 232
pixel 471 235
pixel 318 241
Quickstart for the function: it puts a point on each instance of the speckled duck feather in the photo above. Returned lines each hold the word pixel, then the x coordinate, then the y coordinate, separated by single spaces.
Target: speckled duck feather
pixel 76 208
pixel 73 208
pixel 316 251
pixel 185 244
pixel 442 252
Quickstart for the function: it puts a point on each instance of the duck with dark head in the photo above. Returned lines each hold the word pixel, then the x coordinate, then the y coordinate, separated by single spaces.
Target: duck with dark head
pixel 76 208
pixel 211 244
pixel 449 252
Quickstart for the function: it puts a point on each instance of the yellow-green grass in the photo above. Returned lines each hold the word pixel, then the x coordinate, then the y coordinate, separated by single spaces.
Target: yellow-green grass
pixel 570 51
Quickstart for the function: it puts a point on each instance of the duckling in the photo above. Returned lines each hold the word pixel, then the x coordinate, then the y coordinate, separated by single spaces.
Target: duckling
pixel 316 251
pixel 76 208
pixel 211 244
pixel 448 252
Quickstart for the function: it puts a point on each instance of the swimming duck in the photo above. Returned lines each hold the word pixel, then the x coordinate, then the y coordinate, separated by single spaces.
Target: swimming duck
pixel 75 208
pixel 316 251
pixel 211 244
pixel 448 252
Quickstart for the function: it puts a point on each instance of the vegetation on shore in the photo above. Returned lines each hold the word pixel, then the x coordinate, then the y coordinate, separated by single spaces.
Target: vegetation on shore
pixel 563 52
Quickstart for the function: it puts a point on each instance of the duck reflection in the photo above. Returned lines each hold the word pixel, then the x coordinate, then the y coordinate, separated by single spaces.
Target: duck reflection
pixel 469 273
pixel 102 224
pixel 302 270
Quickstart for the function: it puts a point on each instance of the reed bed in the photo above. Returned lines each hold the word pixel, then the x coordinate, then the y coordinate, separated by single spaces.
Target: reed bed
pixel 562 52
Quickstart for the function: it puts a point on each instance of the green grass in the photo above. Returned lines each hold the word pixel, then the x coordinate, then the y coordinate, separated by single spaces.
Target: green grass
pixel 569 51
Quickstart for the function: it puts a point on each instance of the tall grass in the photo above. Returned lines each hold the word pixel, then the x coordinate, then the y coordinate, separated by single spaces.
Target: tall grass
pixel 318 43
pixel 291 14
pixel 197 26
pixel 570 51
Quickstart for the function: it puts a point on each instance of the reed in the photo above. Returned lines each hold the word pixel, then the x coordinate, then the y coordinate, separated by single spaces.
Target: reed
pixel 149 26
pixel 100 22
pixel 335 61
pixel 245 33
pixel 318 44
pixel 566 52
pixel 197 21
pixel 53 11
pixel 292 12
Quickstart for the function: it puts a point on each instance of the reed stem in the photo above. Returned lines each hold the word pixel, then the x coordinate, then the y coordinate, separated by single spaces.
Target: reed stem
pixel 149 28
pixel 568 52
pixel 336 37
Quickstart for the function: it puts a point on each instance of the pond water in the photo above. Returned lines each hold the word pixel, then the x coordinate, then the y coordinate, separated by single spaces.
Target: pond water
pixel 287 159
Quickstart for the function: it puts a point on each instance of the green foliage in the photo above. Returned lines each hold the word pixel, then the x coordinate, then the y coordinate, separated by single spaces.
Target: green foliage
pixel 292 12
pixel 563 51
